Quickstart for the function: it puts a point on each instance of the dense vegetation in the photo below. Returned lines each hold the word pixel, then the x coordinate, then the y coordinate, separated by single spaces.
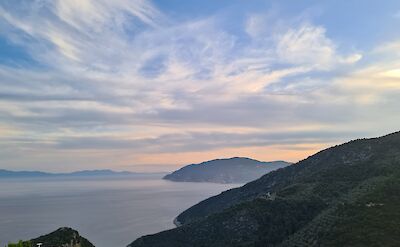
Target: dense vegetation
pixel 20 244
pixel 233 170
pixel 347 195
pixel 63 237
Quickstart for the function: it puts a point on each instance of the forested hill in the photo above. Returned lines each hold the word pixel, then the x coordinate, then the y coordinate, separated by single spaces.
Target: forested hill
pixel 347 195
pixel 63 237
pixel 233 170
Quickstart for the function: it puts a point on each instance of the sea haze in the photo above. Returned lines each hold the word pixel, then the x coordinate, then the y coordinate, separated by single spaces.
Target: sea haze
pixel 109 211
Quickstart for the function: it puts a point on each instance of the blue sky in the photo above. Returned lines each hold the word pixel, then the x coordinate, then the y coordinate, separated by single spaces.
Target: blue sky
pixel 152 85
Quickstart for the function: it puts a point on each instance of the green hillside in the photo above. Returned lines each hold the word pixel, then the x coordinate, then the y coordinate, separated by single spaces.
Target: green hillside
pixel 347 195
pixel 63 237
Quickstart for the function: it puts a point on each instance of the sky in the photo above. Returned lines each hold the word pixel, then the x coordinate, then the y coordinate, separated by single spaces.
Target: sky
pixel 150 86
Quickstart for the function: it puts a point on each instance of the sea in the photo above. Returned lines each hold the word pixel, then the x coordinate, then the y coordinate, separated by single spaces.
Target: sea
pixel 109 211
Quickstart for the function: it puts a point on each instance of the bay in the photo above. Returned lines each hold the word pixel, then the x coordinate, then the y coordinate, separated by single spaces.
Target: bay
pixel 109 211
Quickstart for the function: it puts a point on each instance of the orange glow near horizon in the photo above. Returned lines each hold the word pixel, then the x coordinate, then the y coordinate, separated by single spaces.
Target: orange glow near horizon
pixel 292 153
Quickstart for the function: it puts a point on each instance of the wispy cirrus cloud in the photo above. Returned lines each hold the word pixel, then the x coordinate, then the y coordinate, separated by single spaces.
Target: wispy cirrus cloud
pixel 124 77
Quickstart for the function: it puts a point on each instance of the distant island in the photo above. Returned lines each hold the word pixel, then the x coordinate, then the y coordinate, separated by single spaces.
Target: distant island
pixel 346 195
pixel 232 170
pixel 24 174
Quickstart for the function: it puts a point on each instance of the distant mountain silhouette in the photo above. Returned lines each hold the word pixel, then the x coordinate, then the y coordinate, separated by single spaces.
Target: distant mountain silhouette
pixel 16 174
pixel 233 170
pixel 347 195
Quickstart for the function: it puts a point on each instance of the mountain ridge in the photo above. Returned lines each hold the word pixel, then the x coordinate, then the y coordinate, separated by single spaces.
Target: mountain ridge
pixel 346 195
pixel 105 172
pixel 228 170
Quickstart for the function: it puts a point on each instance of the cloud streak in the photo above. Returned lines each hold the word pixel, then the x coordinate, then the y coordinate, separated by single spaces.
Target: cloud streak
pixel 119 75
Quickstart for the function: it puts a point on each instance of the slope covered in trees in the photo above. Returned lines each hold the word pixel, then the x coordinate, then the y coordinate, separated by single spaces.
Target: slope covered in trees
pixel 347 195
pixel 63 237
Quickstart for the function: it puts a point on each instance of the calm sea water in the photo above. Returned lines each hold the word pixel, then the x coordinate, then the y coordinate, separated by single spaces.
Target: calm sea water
pixel 110 212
